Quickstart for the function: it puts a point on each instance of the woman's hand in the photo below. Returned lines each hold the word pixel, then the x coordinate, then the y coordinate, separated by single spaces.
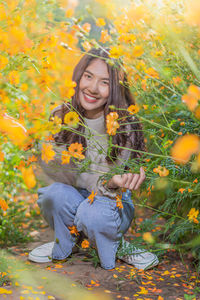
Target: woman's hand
pixel 129 181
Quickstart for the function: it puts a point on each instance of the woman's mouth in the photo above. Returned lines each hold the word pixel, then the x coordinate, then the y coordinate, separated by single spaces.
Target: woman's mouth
pixel 89 98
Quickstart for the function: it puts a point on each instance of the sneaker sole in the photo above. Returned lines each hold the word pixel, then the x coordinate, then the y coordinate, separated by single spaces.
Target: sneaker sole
pixel 147 266
pixel 39 259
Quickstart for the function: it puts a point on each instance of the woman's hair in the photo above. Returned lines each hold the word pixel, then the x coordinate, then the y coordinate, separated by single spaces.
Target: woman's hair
pixel 120 97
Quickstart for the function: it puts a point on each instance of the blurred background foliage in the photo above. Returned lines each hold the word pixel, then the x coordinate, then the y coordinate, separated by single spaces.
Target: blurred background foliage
pixel 158 42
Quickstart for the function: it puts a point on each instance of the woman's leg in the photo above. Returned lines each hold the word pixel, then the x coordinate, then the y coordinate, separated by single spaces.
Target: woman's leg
pixel 100 221
pixel 58 203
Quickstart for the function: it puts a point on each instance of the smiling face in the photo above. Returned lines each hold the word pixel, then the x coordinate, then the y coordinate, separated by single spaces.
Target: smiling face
pixel 94 88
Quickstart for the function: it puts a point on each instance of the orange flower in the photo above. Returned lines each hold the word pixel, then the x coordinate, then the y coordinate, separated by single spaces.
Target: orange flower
pixel 184 147
pixel 195 181
pixel 181 190
pixel 133 109
pixel 13 77
pixel 86 46
pixel 162 171
pixel 65 157
pixel 112 127
pixel 197 112
pixel 111 123
pixel 85 244
pixel 47 153
pixel 192 12
pixel 192 97
pixel 119 201
pixel 112 116
pixel 91 197
pixel 152 73
pixel 13 129
pixel 1 156
pixel 86 27
pixel 32 158
pixel 73 230
pixel 3 204
pixel 176 80
pixel 105 37
pixel 28 177
pixel 71 119
pixel 75 150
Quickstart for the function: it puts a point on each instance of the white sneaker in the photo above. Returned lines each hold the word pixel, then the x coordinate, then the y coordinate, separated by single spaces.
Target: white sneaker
pixel 139 258
pixel 42 254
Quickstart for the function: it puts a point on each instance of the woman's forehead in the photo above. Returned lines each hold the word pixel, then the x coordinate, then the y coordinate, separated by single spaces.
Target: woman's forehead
pixel 98 68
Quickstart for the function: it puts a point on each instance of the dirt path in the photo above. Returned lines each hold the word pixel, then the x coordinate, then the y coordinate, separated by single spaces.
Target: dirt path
pixel 171 279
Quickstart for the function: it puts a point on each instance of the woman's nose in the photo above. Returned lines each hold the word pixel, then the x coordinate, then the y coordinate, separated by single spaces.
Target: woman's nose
pixel 93 87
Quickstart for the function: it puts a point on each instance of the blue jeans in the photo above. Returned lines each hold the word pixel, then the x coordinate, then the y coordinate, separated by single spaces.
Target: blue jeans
pixel 102 221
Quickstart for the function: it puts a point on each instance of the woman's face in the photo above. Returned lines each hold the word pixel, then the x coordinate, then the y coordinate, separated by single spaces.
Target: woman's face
pixel 94 88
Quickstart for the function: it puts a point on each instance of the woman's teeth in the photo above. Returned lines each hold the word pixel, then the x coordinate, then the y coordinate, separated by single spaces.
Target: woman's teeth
pixel 90 97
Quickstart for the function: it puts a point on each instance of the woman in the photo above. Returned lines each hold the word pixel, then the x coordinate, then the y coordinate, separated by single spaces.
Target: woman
pixel 68 202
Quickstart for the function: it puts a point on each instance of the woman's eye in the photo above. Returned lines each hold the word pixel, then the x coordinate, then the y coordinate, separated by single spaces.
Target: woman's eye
pixel 88 76
pixel 105 82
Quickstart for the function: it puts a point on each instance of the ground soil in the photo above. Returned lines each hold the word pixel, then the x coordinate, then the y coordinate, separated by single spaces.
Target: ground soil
pixel 171 279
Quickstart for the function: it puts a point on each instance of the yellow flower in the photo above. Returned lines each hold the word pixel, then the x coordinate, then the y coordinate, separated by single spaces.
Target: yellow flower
pixel 3 62
pixel 65 157
pixel 91 197
pixel 3 204
pixel 116 52
pixel 67 89
pixel 28 177
pixel 137 51
pixel 85 244
pixel 100 22
pixel 133 109
pixel 47 153
pixel 147 236
pixel 75 150
pixel 13 77
pixel 192 215
pixel 71 119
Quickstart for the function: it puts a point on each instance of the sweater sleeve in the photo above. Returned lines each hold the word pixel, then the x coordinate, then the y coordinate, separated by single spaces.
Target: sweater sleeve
pixel 55 171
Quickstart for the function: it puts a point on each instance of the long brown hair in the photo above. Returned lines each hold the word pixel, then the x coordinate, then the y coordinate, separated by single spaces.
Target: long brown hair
pixel 120 97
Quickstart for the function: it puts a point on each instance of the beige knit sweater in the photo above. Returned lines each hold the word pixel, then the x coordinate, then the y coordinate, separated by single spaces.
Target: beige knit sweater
pixel 96 152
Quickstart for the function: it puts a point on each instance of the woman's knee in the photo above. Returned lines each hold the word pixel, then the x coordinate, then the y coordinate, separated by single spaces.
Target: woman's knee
pixel 95 220
pixel 52 197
